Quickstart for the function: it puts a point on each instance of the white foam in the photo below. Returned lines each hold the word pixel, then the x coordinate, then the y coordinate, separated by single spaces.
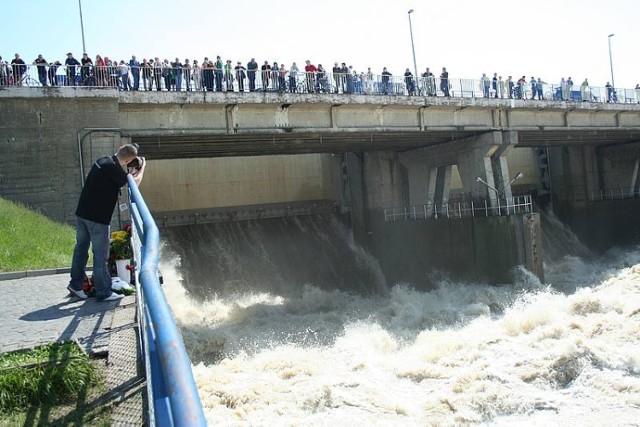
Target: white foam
pixel 462 354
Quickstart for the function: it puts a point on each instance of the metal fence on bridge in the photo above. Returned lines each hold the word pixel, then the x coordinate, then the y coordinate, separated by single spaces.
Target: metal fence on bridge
pixel 452 210
pixel 206 79
pixel 173 398
pixel 615 194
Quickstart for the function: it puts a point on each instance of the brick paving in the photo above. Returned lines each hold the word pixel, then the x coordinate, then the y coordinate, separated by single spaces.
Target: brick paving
pixel 37 310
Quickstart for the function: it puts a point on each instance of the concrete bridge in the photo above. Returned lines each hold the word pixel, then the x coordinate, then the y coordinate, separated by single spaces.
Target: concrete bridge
pixel 230 153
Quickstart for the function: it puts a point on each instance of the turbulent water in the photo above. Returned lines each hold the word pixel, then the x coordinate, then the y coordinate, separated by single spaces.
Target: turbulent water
pixel 302 353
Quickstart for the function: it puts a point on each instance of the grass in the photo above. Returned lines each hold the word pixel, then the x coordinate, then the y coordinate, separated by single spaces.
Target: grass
pixel 31 241
pixel 55 384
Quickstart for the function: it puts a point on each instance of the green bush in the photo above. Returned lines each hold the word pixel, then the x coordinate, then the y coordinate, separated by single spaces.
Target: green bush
pixel 51 374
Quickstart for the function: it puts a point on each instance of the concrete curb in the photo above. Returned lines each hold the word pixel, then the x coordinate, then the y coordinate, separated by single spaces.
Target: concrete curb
pixel 33 273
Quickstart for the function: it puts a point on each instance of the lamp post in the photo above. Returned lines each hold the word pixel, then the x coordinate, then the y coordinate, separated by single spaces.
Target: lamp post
pixel 84 48
pixel 499 193
pixel 413 49
pixel 611 61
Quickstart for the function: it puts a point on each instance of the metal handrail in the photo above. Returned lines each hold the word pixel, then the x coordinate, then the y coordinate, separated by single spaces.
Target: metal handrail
pixel 172 394
pixel 454 210
pixel 614 194
pixel 301 82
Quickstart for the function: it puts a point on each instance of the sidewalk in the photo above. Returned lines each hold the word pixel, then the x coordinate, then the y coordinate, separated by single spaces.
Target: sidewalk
pixel 36 309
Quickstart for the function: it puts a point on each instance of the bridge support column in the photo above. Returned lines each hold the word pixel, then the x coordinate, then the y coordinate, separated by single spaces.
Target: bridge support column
pixel 484 157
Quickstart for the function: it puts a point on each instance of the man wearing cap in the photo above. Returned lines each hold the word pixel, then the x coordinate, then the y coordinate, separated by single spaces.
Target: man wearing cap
pixel 71 64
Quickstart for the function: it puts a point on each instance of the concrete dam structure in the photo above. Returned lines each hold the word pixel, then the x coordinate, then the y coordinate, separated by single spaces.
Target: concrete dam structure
pixel 395 170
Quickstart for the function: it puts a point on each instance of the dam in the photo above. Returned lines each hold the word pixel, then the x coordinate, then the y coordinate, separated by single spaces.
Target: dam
pixel 336 259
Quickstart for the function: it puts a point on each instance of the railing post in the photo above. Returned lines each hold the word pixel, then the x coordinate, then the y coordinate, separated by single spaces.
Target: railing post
pixel 473 212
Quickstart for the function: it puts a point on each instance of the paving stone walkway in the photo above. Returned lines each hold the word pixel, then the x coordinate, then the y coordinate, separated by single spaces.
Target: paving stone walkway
pixel 38 310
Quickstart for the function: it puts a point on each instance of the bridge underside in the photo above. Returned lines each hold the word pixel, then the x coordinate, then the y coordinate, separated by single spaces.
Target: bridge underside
pixel 175 144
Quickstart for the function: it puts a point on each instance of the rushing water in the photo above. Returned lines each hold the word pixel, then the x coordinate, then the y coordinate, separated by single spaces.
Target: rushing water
pixel 295 352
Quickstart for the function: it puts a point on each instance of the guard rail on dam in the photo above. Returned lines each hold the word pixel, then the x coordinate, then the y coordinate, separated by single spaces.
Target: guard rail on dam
pixel 172 395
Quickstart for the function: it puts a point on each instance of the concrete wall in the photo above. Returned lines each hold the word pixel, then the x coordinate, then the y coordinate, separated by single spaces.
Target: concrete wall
pixel 191 184
pixel 477 250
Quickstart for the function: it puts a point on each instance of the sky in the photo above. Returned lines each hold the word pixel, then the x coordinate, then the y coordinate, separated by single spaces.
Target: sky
pixel 549 39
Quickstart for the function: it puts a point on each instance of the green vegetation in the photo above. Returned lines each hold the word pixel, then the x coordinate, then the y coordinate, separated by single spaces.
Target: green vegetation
pixel 30 241
pixel 55 384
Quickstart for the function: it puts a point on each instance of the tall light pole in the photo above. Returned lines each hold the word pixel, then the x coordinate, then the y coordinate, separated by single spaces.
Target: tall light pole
pixel 84 48
pixel 611 62
pixel 413 49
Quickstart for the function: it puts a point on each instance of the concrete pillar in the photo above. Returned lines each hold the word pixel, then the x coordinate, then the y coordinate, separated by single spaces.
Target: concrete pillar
pixel 382 180
pixel 354 193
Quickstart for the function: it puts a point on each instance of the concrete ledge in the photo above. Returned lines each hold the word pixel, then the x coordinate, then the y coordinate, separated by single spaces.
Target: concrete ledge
pixel 33 273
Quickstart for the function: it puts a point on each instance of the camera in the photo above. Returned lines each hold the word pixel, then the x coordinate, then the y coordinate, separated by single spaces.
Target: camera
pixel 135 163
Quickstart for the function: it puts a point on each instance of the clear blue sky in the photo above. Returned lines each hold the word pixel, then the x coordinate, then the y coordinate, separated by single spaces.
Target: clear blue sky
pixel 545 38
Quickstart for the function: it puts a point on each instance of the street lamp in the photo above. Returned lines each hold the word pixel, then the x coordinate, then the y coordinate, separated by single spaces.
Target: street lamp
pixel 498 193
pixel 84 48
pixel 413 49
pixel 611 61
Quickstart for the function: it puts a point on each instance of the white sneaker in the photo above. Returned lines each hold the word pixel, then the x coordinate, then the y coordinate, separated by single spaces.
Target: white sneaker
pixel 113 297
pixel 80 294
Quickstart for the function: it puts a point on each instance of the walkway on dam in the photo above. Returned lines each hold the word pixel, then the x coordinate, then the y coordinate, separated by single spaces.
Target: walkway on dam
pixel 37 309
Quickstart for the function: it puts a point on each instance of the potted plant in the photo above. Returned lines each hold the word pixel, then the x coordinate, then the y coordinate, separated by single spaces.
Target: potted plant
pixel 121 253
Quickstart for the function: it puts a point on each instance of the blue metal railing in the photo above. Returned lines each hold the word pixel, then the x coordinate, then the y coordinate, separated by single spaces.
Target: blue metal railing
pixel 172 393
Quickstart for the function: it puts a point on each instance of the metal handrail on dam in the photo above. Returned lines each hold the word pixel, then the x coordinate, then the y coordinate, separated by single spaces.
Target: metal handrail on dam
pixel 503 206
pixel 173 398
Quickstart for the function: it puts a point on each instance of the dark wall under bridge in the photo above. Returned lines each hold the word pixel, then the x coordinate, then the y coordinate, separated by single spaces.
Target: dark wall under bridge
pixel 469 249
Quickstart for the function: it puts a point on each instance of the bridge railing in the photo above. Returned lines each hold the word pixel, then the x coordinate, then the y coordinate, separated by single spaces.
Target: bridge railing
pixel 172 394
pixel 467 209
pixel 207 79
pixel 614 194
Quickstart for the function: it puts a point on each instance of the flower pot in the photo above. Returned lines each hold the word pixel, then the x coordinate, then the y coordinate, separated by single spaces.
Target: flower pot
pixel 121 268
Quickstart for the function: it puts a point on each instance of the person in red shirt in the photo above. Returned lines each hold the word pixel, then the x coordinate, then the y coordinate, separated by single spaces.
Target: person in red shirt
pixel 310 71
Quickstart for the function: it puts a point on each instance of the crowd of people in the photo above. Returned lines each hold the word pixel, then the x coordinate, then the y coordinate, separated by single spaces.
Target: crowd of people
pixel 218 75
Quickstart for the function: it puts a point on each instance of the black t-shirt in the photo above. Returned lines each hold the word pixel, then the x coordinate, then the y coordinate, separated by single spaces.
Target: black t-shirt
pixel 100 192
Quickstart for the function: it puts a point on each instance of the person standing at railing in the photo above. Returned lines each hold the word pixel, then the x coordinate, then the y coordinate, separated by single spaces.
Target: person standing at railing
pixel 196 72
pixel 101 71
pixel 386 77
pixel 610 92
pixel 186 73
pixel 134 65
pixel 408 81
pixel 71 64
pixel 4 72
pixel 293 78
pixel 310 74
pixel 501 86
pixel 166 74
pixel 123 72
pixel 265 74
pixel 510 86
pixel 368 82
pixel 145 70
pixel 564 95
pixel 429 82
pixel 275 69
pixel 157 73
pixel 41 66
pixel 494 85
pixel 336 77
pixel 584 90
pixel 282 79
pixel 93 216
pixel 241 75
pixel 208 75
pixel 444 82
pixel 19 69
pixel 252 68
pixel 569 89
pixel 534 87
pixel 85 69
pixel 218 69
pixel 540 88
pixel 176 73
pixel 52 73
pixel 637 90
pixel 485 85
pixel 347 79
pixel 228 76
